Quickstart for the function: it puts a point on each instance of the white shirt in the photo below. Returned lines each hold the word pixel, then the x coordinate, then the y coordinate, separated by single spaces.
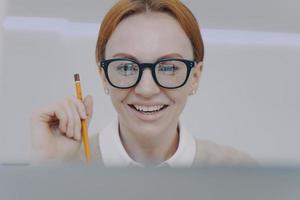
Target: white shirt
pixel 114 154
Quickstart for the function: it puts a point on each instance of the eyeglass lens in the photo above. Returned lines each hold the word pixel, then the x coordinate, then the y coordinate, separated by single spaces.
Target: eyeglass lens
pixel 124 73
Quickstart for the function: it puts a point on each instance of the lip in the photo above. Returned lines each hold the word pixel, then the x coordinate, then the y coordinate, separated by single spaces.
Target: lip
pixel 147 117
pixel 147 104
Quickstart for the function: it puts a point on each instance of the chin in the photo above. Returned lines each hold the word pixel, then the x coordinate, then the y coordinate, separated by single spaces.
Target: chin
pixel 148 130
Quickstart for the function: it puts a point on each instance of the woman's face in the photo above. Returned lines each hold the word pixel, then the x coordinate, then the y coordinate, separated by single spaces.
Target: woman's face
pixel 146 38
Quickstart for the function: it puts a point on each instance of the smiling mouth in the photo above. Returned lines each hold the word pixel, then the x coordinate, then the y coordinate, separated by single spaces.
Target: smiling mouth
pixel 148 110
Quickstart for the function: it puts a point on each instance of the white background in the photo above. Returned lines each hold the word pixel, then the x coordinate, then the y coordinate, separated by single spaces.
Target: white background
pixel 249 94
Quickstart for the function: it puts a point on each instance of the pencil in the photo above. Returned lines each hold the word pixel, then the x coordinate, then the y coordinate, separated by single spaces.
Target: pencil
pixel 84 130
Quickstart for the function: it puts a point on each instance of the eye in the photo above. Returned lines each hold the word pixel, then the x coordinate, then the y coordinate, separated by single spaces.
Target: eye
pixel 127 69
pixel 167 69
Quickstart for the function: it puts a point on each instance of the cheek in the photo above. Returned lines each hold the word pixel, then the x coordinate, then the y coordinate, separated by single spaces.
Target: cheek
pixel 179 101
pixel 118 96
pixel 178 97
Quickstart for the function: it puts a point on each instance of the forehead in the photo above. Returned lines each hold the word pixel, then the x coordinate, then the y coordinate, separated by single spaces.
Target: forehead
pixel 148 36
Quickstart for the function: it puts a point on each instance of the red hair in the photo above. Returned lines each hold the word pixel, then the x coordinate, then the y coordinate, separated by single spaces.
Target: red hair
pixel 125 8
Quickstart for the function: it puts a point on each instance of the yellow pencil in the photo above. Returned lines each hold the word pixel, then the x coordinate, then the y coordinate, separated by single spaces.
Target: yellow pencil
pixel 84 130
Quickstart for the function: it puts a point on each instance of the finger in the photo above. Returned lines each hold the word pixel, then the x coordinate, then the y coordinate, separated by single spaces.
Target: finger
pixel 77 121
pixel 55 112
pixel 62 117
pixel 71 120
pixel 88 103
pixel 80 107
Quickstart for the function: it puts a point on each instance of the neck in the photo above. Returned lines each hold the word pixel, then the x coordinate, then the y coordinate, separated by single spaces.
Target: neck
pixel 150 150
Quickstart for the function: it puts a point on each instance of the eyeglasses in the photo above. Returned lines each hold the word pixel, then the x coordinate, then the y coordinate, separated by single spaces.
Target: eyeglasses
pixel 125 73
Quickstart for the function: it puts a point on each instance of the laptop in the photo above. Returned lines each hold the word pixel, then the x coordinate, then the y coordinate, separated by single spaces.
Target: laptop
pixel 93 181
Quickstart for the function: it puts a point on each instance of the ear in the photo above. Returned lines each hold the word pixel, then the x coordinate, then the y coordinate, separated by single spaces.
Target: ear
pixel 196 74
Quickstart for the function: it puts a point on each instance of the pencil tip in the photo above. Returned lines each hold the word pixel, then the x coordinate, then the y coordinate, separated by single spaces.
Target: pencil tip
pixel 76 77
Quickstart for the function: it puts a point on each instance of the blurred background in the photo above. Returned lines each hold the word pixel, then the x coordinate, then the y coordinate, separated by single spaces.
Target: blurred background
pixel 249 95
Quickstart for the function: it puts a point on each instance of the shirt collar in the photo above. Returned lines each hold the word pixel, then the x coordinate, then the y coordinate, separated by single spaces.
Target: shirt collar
pixel 114 154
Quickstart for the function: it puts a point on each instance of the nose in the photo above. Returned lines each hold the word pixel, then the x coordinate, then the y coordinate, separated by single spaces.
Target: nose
pixel 147 86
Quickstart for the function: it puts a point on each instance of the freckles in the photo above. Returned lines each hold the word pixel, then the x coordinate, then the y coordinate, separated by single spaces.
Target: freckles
pixel 176 96
pixel 120 95
pixel 181 92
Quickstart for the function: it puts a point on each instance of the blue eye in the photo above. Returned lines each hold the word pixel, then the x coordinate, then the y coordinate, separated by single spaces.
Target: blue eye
pixel 168 69
pixel 127 69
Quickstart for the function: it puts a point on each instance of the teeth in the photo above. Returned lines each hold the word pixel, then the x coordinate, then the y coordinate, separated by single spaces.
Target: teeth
pixel 154 108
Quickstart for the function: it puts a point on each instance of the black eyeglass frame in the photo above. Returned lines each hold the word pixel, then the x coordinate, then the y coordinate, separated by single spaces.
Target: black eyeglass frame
pixel 142 66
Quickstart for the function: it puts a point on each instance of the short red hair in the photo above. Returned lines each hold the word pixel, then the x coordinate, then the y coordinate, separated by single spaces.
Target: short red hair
pixel 125 8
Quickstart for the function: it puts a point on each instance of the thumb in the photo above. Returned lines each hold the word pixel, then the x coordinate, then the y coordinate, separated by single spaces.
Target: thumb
pixel 88 103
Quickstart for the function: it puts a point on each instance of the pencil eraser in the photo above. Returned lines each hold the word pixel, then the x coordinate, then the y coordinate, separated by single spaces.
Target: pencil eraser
pixel 76 77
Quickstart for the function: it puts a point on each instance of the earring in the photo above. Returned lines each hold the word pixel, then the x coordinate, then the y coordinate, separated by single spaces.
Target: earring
pixel 193 92
pixel 106 91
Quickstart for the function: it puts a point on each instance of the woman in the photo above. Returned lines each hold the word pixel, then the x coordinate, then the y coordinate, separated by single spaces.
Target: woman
pixel 149 55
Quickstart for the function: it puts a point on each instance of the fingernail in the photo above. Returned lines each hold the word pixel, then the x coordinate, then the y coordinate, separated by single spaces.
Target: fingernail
pixel 84 116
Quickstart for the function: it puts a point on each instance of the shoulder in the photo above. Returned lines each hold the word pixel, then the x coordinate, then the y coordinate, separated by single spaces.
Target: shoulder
pixel 210 153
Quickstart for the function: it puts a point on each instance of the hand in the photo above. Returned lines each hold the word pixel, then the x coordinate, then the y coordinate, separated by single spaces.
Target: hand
pixel 56 128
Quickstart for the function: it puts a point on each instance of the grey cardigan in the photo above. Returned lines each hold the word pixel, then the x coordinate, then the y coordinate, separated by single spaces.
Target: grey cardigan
pixel 207 154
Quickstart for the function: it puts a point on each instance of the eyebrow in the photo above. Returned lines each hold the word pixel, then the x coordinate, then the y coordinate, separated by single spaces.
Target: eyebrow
pixel 171 55
pixel 124 55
